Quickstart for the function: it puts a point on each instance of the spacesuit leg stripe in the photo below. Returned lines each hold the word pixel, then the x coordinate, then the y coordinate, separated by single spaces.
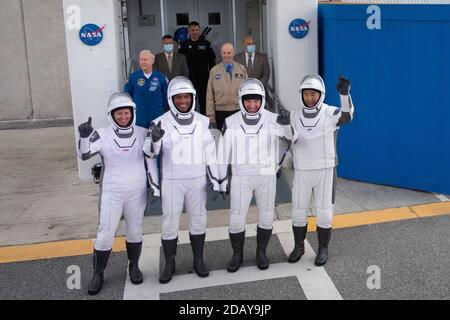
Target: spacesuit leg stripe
pixel 172 205
pixel 134 209
pixel 301 190
pixel 195 201
pixel 324 205
pixel 240 200
pixel 265 200
pixel 333 194
pixel 110 214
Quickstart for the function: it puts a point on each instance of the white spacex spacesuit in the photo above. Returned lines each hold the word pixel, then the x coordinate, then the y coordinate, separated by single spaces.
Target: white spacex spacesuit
pixel 315 161
pixel 188 166
pixel 249 156
pixel 123 183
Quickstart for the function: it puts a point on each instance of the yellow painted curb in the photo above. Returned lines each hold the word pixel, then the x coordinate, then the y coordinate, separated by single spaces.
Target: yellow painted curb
pixel 50 250
pixel 366 217
pixel 431 209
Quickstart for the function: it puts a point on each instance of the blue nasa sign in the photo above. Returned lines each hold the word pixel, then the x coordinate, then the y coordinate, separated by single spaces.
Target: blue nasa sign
pixel 299 28
pixel 91 34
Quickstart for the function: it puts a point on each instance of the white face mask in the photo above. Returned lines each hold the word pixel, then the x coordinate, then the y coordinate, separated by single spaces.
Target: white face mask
pixel 251 49
pixel 168 48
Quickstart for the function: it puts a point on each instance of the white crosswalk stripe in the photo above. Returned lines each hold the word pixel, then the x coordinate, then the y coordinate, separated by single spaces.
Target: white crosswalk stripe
pixel 315 282
pixel 441 197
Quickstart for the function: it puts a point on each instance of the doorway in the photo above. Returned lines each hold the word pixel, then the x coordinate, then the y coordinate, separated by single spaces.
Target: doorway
pixel 146 21
pixel 216 14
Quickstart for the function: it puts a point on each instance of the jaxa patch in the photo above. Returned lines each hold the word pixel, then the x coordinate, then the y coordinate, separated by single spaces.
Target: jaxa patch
pixel 218 76
pixel 141 82
pixel 238 75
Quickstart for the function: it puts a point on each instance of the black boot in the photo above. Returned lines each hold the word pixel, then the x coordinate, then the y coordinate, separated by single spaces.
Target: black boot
pixel 100 260
pixel 299 248
pixel 134 252
pixel 323 235
pixel 262 239
pixel 197 242
pixel 237 242
pixel 170 251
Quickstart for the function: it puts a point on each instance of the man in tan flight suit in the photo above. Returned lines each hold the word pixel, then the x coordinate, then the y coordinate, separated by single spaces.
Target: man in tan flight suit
pixel 224 81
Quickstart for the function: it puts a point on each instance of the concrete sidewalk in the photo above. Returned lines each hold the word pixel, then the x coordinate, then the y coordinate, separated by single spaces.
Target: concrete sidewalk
pixel 42 199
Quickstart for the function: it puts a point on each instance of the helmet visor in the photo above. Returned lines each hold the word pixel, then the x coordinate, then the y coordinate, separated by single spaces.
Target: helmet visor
pixel 252 103
pixel 183 102
pixel 123 116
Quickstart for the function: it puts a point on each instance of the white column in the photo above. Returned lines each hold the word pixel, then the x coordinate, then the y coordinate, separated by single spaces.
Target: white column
pixel 293 58
pixel 95 72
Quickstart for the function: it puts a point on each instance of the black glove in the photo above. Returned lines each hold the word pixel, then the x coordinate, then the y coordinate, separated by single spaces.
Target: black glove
pixel 343 86
pixel 156 131
pixel 284 118
pixel 85 129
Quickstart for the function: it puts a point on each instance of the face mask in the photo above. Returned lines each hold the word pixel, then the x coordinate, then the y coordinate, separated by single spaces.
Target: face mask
pixel 251 48
pixel 168 48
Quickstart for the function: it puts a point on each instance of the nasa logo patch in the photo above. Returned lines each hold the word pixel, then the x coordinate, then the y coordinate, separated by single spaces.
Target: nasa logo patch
pixel 299 28
pixel 91 34
pixel 141 82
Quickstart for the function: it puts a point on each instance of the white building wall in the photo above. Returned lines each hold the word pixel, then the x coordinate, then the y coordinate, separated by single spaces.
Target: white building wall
pixel 95 72
pixel 292 58
pixel 33 64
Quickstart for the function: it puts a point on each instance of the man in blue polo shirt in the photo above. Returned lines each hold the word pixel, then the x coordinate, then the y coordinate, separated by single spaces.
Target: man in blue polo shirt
pixel 148 88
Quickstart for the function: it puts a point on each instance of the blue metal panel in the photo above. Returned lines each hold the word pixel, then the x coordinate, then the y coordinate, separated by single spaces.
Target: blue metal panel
pixel 400 78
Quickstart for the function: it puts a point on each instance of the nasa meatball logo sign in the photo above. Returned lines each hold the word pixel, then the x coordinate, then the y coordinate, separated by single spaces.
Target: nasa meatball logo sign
pixel 91 34
pixel 299 28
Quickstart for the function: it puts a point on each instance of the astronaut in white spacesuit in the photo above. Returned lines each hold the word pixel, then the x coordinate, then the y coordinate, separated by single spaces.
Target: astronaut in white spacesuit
pixel 123 185
pixel 315 161
pixel 182 138
pixel 249 156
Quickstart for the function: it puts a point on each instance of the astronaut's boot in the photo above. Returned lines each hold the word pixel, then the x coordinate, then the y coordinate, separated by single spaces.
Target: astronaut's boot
pixel 100 259
pixel 197 242
pixel 170 251
pixel 323 235
pixel 237 242
pixel 299 247
pixel 262 239
pixel 134 252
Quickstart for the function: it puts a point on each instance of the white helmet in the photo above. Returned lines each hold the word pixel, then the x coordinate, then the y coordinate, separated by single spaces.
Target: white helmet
pixel 120 100
pixel 314 82
pixel 180 85
pixel 251 88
